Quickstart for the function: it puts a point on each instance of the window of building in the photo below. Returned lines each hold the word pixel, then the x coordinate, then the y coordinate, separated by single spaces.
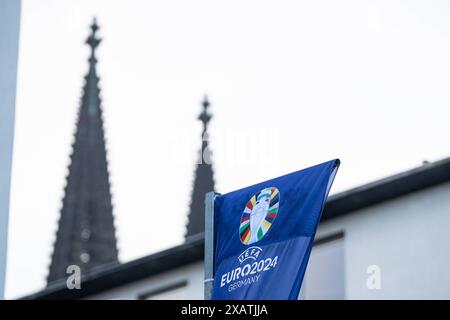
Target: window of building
pixel 325 274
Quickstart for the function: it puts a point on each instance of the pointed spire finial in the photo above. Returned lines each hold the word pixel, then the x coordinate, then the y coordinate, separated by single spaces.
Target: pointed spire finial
pixel 92 40
pixel 204 116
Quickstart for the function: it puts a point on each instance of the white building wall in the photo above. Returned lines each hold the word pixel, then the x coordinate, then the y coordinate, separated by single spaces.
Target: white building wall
pixel 408 238
pixel 9 47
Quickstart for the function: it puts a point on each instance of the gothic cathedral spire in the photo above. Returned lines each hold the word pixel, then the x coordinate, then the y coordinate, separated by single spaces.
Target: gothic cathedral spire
pixel 86 234
pixel 203 180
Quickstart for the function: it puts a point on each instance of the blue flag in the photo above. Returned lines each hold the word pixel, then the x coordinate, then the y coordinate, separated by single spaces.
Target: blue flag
pixel 264 234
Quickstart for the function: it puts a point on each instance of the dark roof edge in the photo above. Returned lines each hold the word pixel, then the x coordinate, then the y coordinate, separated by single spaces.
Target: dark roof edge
pixel 113 275
pixel 370 194
pixel 419 178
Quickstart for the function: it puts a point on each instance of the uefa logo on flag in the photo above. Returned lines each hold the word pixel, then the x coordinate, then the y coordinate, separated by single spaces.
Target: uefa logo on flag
pixel 259 214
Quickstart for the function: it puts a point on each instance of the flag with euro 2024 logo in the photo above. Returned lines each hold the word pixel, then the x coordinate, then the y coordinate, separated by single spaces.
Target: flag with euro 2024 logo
pixel 264 234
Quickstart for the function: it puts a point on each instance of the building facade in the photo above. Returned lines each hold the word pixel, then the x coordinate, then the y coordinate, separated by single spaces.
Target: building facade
pixel 9 52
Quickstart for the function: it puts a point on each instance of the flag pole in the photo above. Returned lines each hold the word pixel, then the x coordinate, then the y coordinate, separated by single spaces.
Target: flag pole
pixel 209 244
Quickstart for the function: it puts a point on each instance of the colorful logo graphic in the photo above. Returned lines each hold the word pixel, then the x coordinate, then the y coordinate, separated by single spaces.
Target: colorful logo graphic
pixel 259 214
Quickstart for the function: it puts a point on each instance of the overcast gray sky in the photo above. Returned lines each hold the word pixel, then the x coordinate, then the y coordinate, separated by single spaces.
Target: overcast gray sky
pixel 292 84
